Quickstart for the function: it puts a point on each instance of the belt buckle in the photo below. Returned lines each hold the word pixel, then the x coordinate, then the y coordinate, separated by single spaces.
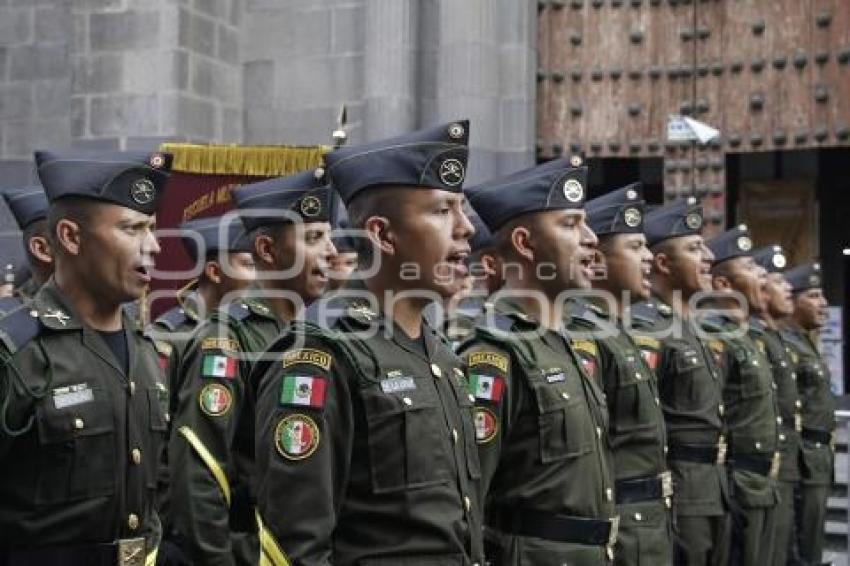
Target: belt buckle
pixel 666 483
pixel 774 465
pixel 798 422
pixel 721 451
pixel 131 552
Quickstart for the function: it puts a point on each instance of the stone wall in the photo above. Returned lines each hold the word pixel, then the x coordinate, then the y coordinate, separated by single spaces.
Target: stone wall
pixel 397 65
pixel 127 74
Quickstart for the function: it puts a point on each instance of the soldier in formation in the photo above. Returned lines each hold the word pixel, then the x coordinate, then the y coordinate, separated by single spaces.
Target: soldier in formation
pixel 611 388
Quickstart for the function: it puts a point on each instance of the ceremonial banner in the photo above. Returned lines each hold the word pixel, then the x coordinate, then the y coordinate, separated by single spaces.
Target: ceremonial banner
pixel 201 181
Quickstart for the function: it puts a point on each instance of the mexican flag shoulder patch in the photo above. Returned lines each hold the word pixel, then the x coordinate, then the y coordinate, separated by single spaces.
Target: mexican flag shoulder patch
pixel 218 365
pixel 486 387
pixel 303 391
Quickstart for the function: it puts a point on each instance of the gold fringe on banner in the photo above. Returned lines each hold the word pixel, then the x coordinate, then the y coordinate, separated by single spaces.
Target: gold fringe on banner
pixel 255 160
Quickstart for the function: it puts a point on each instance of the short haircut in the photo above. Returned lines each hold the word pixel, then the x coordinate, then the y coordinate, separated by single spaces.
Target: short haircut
pixel 364 205
pixel 77 209
pixel 273 231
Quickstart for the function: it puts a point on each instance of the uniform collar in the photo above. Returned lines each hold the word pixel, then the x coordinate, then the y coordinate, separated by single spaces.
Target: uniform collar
pixel 56 314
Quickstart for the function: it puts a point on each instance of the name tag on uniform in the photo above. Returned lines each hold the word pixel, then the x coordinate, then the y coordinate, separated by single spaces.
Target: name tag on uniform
pixel 555 377
pixel 397 384
pixel 72 395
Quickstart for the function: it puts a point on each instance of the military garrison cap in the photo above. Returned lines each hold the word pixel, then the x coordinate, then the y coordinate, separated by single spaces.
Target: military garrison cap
pixel 556 185
pixel 214 237
pixel 731 244
pixel 344 242
pixel 772 258
pixel 28 205
pixel 618 212
pixel 482 238
pixel 804 277
pixel 434 158
pixel 682 218
pixel 134 180
pixel 304 195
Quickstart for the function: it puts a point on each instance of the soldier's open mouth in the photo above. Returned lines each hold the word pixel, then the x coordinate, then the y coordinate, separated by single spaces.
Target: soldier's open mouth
pixel 144 273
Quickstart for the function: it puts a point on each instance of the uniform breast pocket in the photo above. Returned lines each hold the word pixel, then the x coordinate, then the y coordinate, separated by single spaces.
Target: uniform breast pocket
pixel 807 375
pixel 406 447
pixel 565 427
pixel 756 380
pixel 77 450
pixel 690 370
pixel 467 407
pixel 156 412
pixel 634 403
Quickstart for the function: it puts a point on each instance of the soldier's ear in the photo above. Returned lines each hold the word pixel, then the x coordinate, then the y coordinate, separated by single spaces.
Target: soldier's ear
pixel 68 235
pixel 661 263
pixel 721 283
pixel 522 242
pixel 39 247
pixel 381 234
pixel 264 248
pixel 212 271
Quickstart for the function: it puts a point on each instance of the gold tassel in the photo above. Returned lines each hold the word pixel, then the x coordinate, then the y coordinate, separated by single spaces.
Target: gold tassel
pixel 254 160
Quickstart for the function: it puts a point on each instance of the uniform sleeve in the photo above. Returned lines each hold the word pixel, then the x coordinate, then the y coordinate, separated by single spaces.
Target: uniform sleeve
pixel 207 406
pixel 304 435
pixel 489 379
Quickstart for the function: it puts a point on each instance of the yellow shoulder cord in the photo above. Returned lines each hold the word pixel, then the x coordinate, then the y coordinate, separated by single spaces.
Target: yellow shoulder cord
pixel 208 460
pixel 270 552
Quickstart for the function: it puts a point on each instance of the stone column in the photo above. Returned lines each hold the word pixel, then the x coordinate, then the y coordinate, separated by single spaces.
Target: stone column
pixel 390 74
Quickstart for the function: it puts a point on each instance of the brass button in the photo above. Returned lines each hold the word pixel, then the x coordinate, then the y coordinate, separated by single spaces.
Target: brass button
pixel 454 435
pixel 133 521
pixel 132 388
pixel 407 401
pixel 79 423
pixel 435 369
pixel 758 445
pixel 638 517
pixel 782 437
pixel 136 456
pixel 467 503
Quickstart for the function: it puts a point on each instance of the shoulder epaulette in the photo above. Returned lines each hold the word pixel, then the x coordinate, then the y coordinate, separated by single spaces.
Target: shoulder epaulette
pixel 495 321
pixel 19 327
pixel 644 314
pixel 237 311
pixel 173 318
pixel 326 310
pixel 8 304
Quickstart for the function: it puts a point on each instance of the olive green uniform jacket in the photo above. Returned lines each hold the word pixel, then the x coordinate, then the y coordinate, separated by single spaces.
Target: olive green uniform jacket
pixel 542 433
pixel 80 440
pixel 366 447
